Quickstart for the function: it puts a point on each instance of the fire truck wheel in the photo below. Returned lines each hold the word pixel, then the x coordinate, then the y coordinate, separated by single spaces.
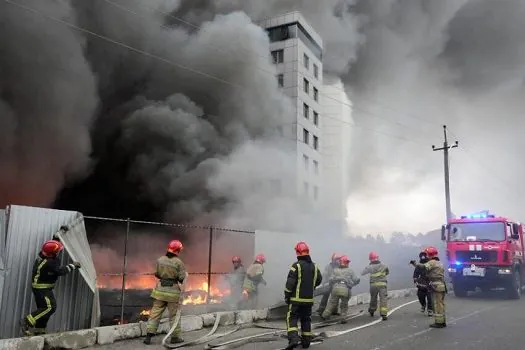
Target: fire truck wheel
pixel 515 288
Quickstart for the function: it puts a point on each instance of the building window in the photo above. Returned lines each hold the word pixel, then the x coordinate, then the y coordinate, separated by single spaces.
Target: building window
pixel 306 187
pixel 280 80
pixel 306 136
pixel 316 167
pixel 316 71
pixel 316 118
pixel 306 111
pixel 278 56
pixel 316 94
pixel 306 86
pixel 316 142
pixel 316 192
pixel 306 162
pixel 306 61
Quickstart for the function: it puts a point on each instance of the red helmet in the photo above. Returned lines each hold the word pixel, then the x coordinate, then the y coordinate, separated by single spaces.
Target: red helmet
pixel 260 258
pixel 335 257
pixel 51 248
pixel 344 260
pixel 174 247
pixel 236 259
pixel 431 252
pixel 373 256
pixel 302 249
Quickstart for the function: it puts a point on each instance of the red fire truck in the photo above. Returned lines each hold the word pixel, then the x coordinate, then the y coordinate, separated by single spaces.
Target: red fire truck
pixel 485 251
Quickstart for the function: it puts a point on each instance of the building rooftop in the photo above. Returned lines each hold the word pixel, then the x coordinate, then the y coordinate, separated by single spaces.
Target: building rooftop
pixel 291 18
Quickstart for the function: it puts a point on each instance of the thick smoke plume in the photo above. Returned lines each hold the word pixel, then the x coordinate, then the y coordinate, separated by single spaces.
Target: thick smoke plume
pixel 128 134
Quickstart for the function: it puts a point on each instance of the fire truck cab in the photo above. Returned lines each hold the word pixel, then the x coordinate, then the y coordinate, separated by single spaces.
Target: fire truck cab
pixel 485 251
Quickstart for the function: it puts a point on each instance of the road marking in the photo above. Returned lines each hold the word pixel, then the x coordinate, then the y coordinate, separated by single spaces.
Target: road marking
pixel 331 334
pixel 413 335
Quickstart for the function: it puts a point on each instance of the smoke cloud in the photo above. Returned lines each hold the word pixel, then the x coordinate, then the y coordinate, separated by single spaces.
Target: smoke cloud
pixel 92 125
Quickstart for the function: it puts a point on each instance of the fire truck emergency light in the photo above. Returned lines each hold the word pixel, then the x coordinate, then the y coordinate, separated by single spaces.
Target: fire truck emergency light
pixel 479 215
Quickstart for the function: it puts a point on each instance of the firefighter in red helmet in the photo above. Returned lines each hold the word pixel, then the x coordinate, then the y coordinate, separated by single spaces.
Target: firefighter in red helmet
pixel 236 280
pixel 254 277
pixel 328 270
pixel 435 272
pixel 304 276
pixel 378 285
pixel 342 281
pixel 46 271
pixel 171 273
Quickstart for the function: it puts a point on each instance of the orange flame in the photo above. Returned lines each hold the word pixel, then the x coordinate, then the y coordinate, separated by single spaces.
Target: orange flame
pixel 196 288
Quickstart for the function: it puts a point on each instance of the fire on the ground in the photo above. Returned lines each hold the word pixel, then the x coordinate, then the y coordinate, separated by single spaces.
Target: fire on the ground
pixel 196 289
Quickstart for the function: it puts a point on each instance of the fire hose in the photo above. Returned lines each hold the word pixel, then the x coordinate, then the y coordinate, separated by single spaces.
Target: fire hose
pixel 269 336
pixel 177 316
pixel 323 335
pixel 208 337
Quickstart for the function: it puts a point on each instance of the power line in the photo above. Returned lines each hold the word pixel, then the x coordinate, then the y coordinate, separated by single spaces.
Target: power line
pixel 127 9
pixel 175 64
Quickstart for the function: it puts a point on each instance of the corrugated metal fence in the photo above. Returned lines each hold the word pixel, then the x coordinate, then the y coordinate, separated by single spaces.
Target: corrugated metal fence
pixel 27 229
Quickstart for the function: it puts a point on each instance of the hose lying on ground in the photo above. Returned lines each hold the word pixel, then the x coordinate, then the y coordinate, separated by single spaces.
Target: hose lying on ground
pixel 208 337
pixel 270 336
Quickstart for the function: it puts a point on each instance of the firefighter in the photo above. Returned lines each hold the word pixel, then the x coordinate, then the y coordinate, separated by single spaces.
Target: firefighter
pixel 46 271
pixel 342 280
pixel 378 285
pixel 436 275
pixel 236 279
pixel 334 262
pixel 254 277
pixel 421 282
pixel 171 272
pixel 304 276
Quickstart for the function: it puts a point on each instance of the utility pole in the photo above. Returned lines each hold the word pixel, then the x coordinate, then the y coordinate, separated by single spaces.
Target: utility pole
pixel 445 149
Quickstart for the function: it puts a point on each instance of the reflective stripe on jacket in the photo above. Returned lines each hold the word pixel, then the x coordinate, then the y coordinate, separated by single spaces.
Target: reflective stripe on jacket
pixel 303 277
pixel 343 279
pixel 254 276
pixel 171 272
pixel 378 273
pixel 46 272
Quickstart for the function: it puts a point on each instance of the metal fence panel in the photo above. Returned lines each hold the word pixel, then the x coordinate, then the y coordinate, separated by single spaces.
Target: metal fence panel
pixel 27 229
pixel 125 253
pixel 2 251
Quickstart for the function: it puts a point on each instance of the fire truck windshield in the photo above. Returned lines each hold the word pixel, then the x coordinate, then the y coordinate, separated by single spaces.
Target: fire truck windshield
pixel 477 231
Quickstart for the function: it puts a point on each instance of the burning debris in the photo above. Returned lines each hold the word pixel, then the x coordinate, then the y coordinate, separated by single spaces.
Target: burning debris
pixel 196 291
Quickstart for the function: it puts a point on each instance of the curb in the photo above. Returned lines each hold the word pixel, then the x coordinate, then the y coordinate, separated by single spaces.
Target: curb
pixel 110 334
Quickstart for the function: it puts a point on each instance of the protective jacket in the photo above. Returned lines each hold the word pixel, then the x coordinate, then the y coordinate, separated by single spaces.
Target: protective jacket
pixel 46 272
pixel 171 272
pixel 342 281
pixel 378 273
pixel 435 273
pixel 254 276
pixel 236 278
pixel 420 277
pixel 303 277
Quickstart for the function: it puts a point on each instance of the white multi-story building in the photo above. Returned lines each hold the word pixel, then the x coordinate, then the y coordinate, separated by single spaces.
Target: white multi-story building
pixel 297 51
pixel 336 135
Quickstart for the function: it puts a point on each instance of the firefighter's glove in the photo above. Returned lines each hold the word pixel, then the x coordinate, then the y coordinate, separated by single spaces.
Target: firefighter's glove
pixel 77 264
pixel 287 298
pixel 412 262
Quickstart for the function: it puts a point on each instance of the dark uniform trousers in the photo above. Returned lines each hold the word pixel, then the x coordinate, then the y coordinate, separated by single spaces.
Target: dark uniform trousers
pixel 46 306
pixel 425 298
pixel 302 313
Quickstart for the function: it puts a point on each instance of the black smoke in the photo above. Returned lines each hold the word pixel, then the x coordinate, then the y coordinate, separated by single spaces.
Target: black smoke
pixel 92 125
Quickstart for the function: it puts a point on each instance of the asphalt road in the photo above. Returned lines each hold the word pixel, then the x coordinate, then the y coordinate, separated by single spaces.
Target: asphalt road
pixel 482 322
